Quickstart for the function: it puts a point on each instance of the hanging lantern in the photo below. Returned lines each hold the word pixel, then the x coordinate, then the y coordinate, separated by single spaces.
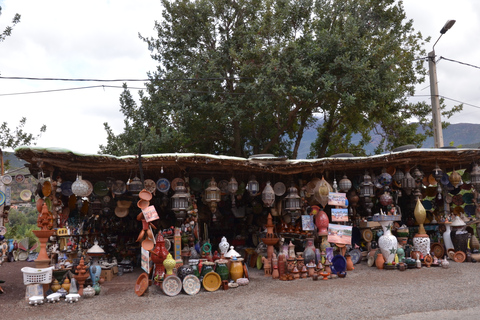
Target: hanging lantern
pixel 455 178
pixel 385 179
pixel 408 183
pixel 268 195
pixel 437 174
pixel 135 186
pixel 180 201
pixel 80 187
pixel 386 199
pixel 232 186
pixel 292 200
pixel 345 184
pixel 366 187
pixel 398 176
pixel 475 176
pixel 417 175
pixel 212 195
pixel 253 186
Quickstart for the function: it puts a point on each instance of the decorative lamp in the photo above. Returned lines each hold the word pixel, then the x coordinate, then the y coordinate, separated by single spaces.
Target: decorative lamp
pixel 417 175
pixel 80 187
pixel 475 176
pixel 398 176
pixel 345 184
pixel 135 186
pixel 386 199
pixel 408 183
pixel 232 186
pixel 212 195
pixel 366 187
pixel 385 179
pixel 268 195
pixel 455 178
pixel 180 201
pixel 253 186
pixel 292 200
pixel 437 174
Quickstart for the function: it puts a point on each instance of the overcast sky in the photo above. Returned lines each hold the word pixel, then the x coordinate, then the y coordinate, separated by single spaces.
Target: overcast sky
pixel 98 39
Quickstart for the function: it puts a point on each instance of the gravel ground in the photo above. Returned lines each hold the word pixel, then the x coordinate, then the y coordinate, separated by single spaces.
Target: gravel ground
pixel 366 293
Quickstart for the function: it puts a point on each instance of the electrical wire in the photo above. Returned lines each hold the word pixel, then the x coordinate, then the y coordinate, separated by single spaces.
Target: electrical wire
pixel 67 89
pixel 122 80
pixel 466 64
pixel 446 98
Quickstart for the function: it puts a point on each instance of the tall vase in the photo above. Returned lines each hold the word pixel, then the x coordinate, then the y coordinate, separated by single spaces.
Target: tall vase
pixel 95 271
pixel 446 237
pixel 388 242
pixel 309 252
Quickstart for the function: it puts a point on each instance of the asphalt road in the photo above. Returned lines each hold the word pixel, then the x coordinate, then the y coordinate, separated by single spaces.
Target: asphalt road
pixel 366 293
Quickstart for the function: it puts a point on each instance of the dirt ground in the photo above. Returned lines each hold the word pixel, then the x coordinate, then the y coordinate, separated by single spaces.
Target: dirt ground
pixel 366 293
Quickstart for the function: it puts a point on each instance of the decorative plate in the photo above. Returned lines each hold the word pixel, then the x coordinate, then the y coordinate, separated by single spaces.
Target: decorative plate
pixel 110 181
pixel 196 184
pixel 67 188
pixel 279 189
pixel 339 263
pixel 191 284
pixel 176 181
pixel 459 256
pixel 119 187
pixel 356 255
pixel 468 197
pixel 23 255
pixel 142 284
pixel 172 285
pixel 212 281
pixel 25 195
pixel 367 235
pixel 90 187
pixel 19 178
pixel 438 250
pixel 150 185
pixel 101 188
pixel 163 185
pixel 2 198
pixel 3 230
pixel 458 199
pixel 7 179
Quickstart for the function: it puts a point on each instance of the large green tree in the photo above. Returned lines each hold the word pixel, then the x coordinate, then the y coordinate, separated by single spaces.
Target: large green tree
pixel 238 77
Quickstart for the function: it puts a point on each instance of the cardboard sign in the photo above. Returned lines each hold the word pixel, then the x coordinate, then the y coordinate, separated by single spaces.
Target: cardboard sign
pixel 150 213
pixel 339 234
pixel 337 199
pixel 307 223
pixel 340 215
pixel 145 263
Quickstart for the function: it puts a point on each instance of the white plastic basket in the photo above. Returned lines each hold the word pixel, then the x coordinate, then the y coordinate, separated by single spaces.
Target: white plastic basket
pixel 37 275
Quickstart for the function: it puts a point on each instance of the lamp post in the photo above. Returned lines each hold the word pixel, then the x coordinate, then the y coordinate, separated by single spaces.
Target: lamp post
pixel 436 117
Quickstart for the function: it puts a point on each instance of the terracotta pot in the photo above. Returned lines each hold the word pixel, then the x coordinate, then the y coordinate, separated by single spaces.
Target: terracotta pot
pixel 236 269
pixel 380 261
pixel 349 263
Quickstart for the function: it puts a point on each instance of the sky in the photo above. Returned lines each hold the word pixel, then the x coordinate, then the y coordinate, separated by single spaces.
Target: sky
pixel 98 39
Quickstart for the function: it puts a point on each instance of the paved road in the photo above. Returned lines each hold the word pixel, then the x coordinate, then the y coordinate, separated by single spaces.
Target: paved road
pixel 366 293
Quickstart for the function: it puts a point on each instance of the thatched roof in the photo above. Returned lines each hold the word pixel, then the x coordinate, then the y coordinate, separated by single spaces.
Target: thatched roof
pixel 54 161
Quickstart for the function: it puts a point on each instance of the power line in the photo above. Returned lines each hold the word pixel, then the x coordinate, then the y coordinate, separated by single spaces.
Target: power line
pixel 446 98
pixel 66 89
pixel 466 64
pixel 122 80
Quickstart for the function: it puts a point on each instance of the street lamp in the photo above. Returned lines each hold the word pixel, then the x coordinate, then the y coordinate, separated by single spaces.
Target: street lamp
pixel 436 117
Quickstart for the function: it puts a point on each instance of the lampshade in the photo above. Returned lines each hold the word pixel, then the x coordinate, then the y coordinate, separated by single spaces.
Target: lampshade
pixel 475 176
pixel 232 186
pixel 212 195
pixel 366 187
pixel 345 184
pixel 268 195
pixel 408 183
pixel 253 186
pixel 180 201
pixel 292 200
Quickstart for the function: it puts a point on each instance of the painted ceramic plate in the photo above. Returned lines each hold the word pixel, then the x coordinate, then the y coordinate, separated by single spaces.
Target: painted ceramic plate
pixel 46 188
pixel 25 195
pixel 90 187
pixel 191 284
pixel 19 178
pixel 150 185
pixel 176 181
pixel 119 187
pixel 339 263
pixel 163 185
pixel 7 179
pixel 438 250
pixel 3 230
pixel 279 189
pixel 196 184
pixel 2 198
pixel 367 235
pixel 67 188
pixel 172 285
pixel 356 255
pixel 212 281
pixel 101 188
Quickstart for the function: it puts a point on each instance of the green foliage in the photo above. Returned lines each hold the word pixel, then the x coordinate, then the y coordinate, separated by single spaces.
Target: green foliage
pixel 250 76
pixel 14 138
pixel 21 224
pixel 8 30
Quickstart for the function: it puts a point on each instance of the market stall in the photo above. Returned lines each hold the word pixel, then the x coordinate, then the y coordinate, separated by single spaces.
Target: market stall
pixel 292 218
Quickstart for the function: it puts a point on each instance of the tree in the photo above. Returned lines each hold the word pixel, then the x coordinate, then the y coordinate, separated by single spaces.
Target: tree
pixel 8 30
pixel 250 76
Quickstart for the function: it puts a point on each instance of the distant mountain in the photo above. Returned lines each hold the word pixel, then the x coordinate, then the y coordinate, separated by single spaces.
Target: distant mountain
pixel 13 161
pixel 466 135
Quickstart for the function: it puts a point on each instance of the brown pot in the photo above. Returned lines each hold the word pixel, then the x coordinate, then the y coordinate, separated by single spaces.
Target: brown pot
pixel 380 261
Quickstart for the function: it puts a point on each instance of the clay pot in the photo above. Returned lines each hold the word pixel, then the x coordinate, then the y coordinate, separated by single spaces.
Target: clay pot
pixel 66 284
pixel 55 285
pixel 380 261
pixel 349 263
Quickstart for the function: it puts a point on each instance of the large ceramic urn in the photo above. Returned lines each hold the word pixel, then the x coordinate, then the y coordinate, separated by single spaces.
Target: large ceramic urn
pixel 159 254
pixel 388 242
pixel 421 241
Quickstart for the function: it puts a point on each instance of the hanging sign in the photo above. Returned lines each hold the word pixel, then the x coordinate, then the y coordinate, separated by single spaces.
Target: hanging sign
pixel 340 215
pixel 150 213
pixel 339 234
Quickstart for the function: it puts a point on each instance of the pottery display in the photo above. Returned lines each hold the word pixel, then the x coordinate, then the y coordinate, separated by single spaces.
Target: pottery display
pixel 236 268
pixel 309 252
pixel 88 292
pixel 223 246
pixel 447 241
pixel 222 269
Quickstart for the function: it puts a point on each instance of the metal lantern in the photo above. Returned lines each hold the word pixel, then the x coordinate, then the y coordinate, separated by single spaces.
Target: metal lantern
pixel 345 184
pixel 366 187
pixel 417 175
pixel 180 201
pixel 437 174
pixel 268 195
pixel 135 186
pixel 292 200
pixel 408 183
pixel 232 186
pixel 212 195
pixel 475 176
pixel 253 186
pixel 398 176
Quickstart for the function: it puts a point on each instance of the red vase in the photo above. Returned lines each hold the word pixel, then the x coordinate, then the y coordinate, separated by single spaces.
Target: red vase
pixel 321 221
pixel 159 254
